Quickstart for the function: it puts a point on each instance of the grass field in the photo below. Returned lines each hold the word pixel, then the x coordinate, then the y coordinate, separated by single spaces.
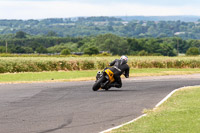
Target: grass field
pixel 179 114
pixel 26 69
pixel 39 64
pixel 86 75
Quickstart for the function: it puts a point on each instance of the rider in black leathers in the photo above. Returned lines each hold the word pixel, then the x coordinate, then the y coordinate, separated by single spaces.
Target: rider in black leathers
pixel 119 67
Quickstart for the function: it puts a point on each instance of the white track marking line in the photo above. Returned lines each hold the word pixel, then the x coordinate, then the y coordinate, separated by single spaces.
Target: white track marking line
pixel 161 102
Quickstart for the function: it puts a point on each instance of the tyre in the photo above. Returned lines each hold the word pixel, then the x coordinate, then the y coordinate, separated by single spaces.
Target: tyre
pixel 97 84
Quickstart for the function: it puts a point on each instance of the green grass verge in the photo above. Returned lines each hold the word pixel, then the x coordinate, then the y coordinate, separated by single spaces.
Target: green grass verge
pixel 47 76
pixel 179 114
pixel 86 75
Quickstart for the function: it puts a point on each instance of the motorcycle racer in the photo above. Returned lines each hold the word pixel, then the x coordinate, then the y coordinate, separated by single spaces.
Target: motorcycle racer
pixel 119 67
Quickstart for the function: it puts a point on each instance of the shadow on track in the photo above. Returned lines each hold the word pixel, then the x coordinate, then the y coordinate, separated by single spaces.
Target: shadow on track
pixel 117 90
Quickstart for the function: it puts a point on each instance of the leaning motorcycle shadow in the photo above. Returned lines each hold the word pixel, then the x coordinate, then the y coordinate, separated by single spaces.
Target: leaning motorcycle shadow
pixel 115 90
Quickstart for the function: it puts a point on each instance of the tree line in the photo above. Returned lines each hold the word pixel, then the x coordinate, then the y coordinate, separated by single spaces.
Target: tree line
pixel 93 26
pixel 22 42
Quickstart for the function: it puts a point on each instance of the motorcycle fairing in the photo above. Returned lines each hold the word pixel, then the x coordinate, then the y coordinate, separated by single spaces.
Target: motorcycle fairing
pixel 110 75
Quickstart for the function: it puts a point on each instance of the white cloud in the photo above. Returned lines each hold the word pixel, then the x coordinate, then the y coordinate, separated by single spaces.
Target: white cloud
pixel 64 9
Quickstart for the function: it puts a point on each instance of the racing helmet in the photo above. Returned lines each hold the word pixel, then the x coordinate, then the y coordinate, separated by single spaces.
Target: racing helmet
pixel 125 58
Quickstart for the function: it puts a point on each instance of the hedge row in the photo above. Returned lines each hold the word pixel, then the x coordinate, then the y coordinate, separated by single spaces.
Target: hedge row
pixel 166 64
pixel 37 65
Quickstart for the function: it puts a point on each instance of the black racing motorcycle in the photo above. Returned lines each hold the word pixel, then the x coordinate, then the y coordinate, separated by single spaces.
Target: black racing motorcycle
pixel 103 80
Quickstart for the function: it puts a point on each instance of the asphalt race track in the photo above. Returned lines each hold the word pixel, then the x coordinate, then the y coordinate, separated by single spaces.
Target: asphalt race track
pixel 72 107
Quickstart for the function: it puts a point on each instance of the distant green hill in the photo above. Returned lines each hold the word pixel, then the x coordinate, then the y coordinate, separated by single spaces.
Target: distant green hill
pixel 161 18
pixel 186 27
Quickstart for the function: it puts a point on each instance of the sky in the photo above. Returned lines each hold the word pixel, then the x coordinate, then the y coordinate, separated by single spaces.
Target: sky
pixel 40 9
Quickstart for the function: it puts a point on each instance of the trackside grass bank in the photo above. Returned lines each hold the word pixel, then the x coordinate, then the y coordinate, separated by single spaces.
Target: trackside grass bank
pixel 86 74
pixel 179 114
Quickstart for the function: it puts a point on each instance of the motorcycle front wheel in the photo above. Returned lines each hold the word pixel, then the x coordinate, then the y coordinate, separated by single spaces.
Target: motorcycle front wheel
pixel 97 84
